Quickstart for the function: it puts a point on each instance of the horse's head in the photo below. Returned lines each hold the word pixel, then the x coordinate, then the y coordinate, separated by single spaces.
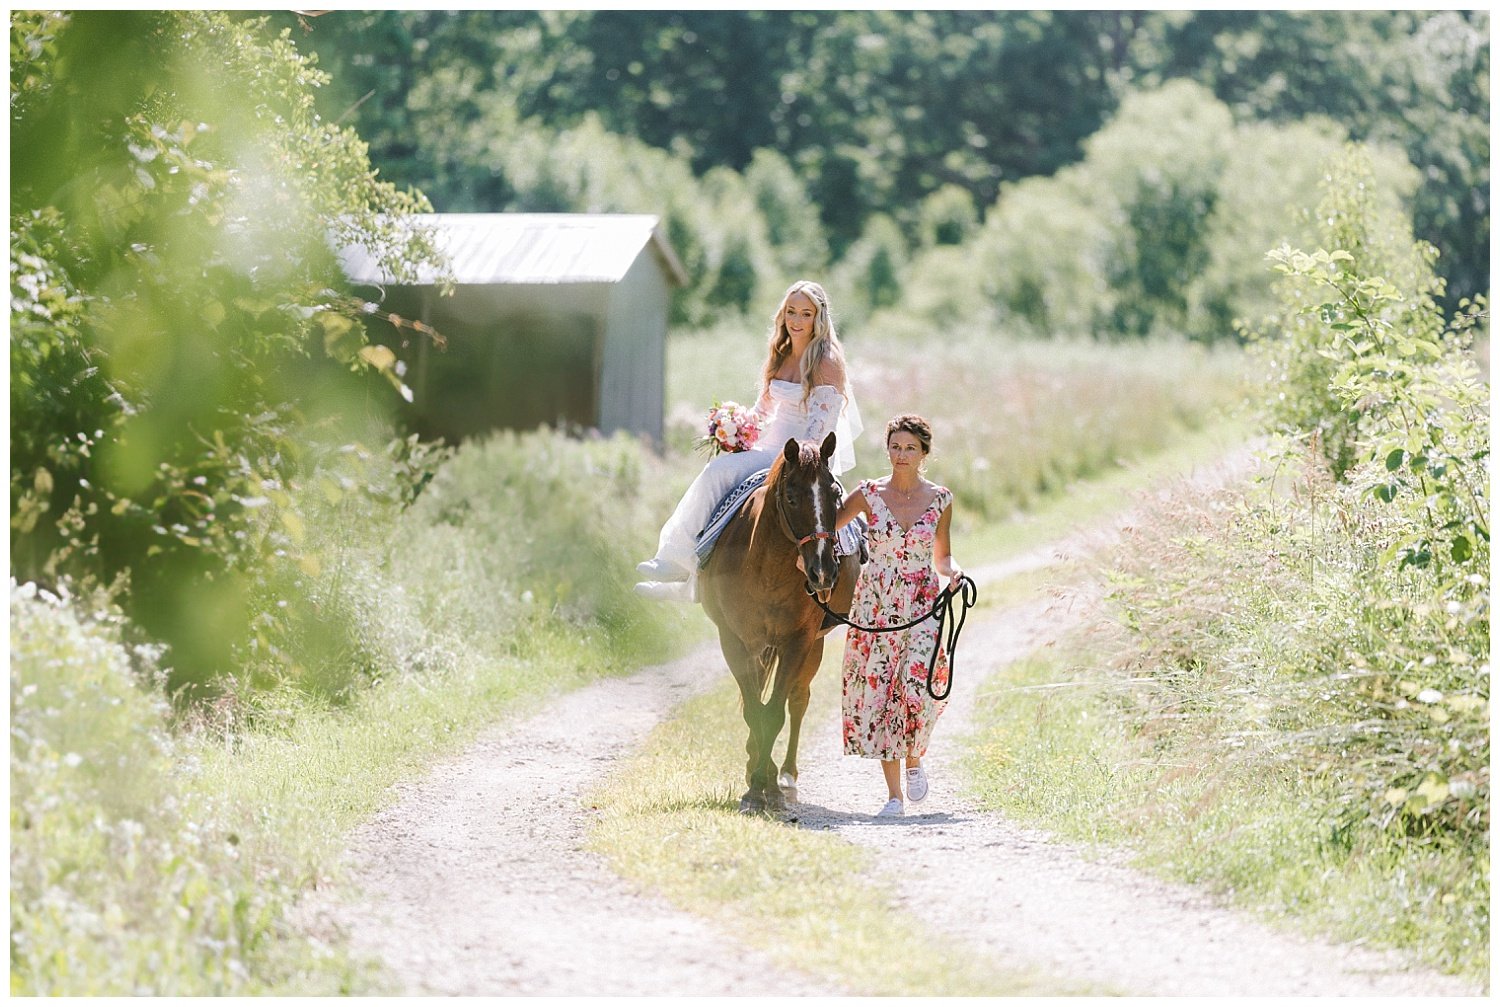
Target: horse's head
pixel 807 504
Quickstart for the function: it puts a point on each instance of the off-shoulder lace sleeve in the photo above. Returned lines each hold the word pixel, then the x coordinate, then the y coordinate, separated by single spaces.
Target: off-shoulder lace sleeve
pixel 828 409
pixel 824 407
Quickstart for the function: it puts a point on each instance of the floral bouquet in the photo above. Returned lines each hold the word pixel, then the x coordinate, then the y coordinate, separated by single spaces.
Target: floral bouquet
pixel 731 427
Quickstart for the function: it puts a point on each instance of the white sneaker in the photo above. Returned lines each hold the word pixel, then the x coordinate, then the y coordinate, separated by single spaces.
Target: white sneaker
pixel 658 590
pixel 655 569
pixel 916 784
pixel 893 809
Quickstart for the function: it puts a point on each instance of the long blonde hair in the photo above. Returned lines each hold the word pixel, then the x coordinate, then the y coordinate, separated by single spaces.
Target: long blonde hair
pixel 825 345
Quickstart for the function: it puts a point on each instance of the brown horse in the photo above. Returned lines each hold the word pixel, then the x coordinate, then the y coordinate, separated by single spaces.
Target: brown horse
pixel 755 587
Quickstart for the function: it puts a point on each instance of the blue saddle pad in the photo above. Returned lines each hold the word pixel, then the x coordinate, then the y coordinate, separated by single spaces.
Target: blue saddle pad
pixel 850 541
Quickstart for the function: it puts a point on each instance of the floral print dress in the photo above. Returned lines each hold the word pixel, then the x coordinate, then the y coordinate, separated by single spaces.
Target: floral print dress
pixel 888 713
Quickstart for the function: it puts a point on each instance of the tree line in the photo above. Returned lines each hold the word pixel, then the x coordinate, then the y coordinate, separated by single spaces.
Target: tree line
pixel 876 111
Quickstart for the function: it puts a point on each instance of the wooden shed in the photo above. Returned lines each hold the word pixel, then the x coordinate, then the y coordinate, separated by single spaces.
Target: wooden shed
pixel 557 319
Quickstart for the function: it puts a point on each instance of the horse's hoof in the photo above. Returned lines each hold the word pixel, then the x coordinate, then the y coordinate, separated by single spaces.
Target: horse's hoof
pixel 788 784
pixel 752 804
pixel 775 802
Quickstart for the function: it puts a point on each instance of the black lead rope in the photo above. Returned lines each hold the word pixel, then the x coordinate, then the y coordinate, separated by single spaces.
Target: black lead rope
pixel 967 592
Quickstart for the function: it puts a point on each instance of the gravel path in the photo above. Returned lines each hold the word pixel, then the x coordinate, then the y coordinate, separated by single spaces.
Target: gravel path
pixel 1031 901
pixel 475 881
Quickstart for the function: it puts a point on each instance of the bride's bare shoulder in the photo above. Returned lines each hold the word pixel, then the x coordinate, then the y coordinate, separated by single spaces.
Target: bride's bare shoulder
pixel 830 372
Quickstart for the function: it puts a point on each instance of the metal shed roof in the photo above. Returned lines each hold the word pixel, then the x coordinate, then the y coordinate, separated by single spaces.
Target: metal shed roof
pixel 491 248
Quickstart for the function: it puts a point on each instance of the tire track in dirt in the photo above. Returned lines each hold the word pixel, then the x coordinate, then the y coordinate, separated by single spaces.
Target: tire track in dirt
pixel 1032 902
pixel 475 881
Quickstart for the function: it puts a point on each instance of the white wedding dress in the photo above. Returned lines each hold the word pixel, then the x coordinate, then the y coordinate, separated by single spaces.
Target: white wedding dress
pixel 825 409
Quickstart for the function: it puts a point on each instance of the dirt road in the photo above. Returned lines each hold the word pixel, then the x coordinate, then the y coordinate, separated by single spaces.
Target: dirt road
pixel 476 880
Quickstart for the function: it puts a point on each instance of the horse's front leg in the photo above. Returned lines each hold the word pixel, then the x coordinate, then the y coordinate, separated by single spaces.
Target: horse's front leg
pixel 747 675
pixel 797 699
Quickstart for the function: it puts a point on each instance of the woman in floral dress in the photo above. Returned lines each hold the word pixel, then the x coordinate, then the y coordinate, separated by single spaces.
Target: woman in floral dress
pixel 888 712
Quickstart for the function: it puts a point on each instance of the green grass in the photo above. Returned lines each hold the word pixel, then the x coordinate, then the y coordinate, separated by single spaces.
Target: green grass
pixel 158 851
pixel 814 902
pixel 1104 493
pixel 1206 725
pixel 175 859
pixel 172 871
pixel 1054 753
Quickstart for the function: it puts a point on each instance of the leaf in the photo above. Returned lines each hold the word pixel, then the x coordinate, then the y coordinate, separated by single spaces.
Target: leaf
pixel 1434 790
pixel 1463 549
pixel 1385 492
pixel 379 357
pixel 337 331
pixel 293 525
pixel 1394 459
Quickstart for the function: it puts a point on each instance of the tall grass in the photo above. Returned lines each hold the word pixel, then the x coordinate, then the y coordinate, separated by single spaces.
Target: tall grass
pixel 124 879
pixel 1262 708
pixel 517 538
pixel 154 853
pixel 1015 421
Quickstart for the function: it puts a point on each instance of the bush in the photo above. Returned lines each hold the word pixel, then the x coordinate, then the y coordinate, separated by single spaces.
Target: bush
pixel 123 882
pixel 512 538
pixel 176 326
pixel 871 274
pixel 1260 706
pixel 1157 229
pixel 1318 657
pixel 1373 374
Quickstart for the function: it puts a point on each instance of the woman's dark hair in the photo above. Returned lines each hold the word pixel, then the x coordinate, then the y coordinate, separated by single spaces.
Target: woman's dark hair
pixel 912 424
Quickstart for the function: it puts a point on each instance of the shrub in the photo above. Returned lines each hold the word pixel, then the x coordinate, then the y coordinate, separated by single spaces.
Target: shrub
pixel 1266 706
pixel 1157 229
pixel 1367 236
pixel 1327 653
pixel 871 273
pixel 172 295
pixel 1377 376
pixel 123 882
pixel 947 216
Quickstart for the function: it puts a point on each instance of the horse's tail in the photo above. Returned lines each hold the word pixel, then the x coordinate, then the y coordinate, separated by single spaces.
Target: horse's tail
pixel 765 665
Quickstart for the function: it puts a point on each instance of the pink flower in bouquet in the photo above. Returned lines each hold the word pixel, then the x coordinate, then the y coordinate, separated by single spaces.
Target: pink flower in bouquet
pixel 731 427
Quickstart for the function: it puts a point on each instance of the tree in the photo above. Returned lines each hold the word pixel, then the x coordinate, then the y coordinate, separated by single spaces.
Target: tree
pixel 176 326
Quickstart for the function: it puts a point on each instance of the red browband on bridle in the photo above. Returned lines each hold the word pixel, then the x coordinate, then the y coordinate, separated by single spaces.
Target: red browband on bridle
pixel 815 535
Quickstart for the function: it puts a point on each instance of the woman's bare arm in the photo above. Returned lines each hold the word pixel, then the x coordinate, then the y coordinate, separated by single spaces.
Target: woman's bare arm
pixel 942 550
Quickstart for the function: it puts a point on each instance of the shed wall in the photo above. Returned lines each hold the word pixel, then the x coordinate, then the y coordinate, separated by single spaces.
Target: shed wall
pixel 632 376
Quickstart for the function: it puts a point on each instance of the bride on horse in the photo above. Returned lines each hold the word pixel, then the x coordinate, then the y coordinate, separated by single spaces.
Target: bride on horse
pixel 804 394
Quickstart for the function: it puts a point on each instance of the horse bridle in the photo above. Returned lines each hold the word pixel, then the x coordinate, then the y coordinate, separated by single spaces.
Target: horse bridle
pixel 786 525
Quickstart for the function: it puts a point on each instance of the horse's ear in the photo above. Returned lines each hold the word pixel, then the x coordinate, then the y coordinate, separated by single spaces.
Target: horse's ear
pixel 829 443
pixel 793 451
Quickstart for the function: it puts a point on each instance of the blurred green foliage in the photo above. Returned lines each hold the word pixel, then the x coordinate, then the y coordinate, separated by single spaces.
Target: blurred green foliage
pixel 178 339
pixel 878 110
pixel 1158 231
